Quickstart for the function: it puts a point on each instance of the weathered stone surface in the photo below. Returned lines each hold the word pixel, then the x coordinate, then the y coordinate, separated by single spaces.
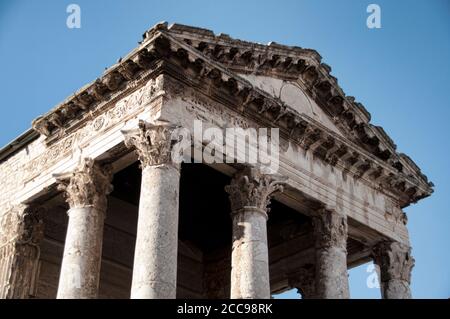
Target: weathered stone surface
pixel 396 263
pixel 250 192
pixel 20 236
pixel 155 260
pixel 85 190
pixel 153 142
pixel 87 186
pixel 330 230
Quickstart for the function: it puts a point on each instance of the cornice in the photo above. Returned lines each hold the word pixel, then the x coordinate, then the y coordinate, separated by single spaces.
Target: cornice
pixel 17 144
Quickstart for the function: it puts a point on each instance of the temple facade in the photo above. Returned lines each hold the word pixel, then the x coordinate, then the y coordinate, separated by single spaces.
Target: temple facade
pixel 94 204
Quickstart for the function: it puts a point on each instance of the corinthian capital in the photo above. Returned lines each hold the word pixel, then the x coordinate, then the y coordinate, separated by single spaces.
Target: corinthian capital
pixel 330 229
pixel 88 185
pixel 394 259
pixel 152 142
pixel 23 224
pixel 251 188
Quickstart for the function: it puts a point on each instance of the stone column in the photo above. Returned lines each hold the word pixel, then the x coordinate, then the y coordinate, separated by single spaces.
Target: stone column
pixel 85 190
pixel 250 192
pixel 305 282
pixel 395 262
pixel 330 232
pixel 155 256
pixel 21 231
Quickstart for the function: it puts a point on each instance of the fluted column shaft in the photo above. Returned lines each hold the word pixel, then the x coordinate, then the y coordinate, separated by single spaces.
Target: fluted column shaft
pixel 250 193
pixel 396 263
pixel 86 190
pixel 155 256
pixel 330 230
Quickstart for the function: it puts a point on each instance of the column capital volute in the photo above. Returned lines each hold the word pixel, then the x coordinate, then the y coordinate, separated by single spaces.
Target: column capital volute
pixel 330 229
pixel 87 185
pixel 394 259
pixel 153 142
pixel 252 189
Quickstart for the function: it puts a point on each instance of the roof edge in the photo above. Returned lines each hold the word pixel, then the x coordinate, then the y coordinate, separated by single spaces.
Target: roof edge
pixel 18 143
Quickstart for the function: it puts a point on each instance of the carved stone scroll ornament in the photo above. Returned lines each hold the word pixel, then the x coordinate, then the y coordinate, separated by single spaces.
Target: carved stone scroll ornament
pixel 21 230
pixel 87 185
pixel 152 142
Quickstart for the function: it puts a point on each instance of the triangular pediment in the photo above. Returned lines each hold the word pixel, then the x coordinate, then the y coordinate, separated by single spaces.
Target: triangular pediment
pixel 294 96
pixel 266 67
pixel 298 78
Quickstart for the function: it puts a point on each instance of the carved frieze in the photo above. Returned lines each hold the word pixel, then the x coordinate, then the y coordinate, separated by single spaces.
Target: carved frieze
pixel 122 109
pixel 207 110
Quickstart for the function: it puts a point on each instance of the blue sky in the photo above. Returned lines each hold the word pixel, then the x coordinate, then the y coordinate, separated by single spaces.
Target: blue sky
pixel 401 73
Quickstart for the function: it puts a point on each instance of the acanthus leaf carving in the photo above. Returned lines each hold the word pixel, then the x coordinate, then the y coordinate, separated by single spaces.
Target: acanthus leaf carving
pixel 394 259
pixel 153 142
pixel 21 231
pixel 23 224
pixel 330 229
pixel 88 185
pixel 252 188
